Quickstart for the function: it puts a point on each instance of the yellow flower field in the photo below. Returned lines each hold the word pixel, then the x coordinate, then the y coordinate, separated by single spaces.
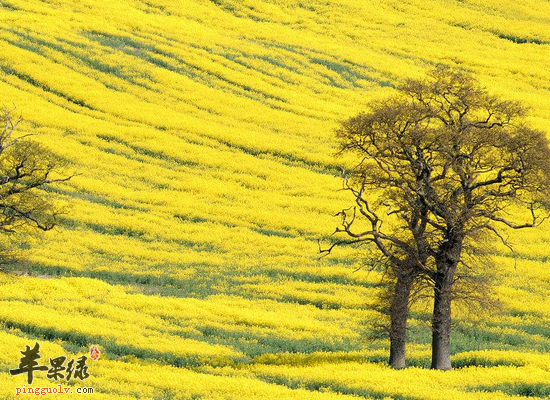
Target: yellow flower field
pixel 202 135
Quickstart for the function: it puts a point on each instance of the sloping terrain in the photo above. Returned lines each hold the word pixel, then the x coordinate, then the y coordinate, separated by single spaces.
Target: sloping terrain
pixel 202 133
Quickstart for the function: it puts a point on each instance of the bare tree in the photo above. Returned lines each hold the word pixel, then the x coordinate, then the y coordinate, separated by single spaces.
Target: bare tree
pixel 449 162
pixel 395 220
pixel 26 168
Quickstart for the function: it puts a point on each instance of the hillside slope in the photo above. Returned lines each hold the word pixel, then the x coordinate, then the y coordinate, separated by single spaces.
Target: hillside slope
pixel 202 132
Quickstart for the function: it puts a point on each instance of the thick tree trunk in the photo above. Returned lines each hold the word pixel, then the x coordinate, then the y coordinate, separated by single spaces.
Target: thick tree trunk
pixel 446 263
pixel 441 325
pixel 399 312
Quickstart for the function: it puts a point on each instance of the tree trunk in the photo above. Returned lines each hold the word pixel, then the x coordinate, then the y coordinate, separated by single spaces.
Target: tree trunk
pixel 441 325
pixel 399 313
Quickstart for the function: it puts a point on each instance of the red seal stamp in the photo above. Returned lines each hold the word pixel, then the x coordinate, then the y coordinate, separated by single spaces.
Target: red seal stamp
pixel 94 353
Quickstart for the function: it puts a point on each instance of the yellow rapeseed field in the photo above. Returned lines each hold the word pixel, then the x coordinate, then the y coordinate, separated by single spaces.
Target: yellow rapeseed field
pixel 202 133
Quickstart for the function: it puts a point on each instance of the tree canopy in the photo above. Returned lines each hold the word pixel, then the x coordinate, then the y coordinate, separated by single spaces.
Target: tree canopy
pixel 26 167
pixel 440 165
